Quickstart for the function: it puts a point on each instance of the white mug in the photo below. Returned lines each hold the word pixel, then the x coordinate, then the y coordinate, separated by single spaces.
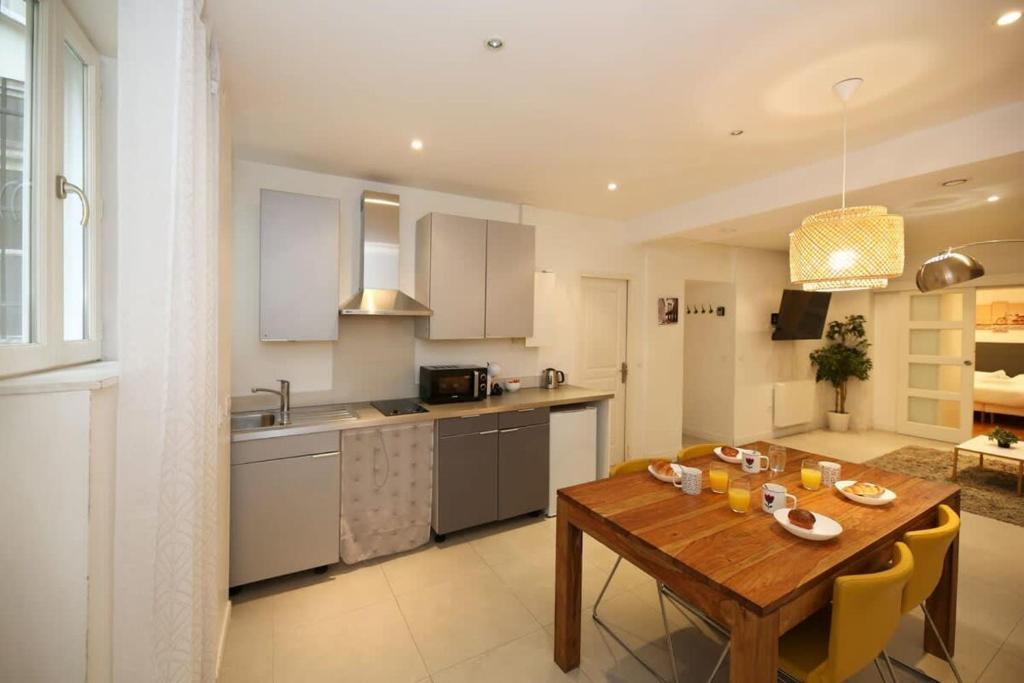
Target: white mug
pixel 689 479
pixel 830 473
pixel 753 462
pixel 774 497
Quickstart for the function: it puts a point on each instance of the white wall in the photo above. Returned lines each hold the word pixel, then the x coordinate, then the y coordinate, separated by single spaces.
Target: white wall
pixel 709 366
pixel 376 358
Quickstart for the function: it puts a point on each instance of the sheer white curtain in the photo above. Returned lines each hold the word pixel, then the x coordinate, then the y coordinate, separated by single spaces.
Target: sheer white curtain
pixel 166 603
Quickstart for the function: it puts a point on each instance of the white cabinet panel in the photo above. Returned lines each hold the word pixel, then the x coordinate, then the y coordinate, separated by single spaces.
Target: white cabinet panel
pixel 298 267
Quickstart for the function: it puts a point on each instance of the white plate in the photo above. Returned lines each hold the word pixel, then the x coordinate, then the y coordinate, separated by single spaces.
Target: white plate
pixel 735 460
pixel 678 469
pixel 887 496
pixel 824 527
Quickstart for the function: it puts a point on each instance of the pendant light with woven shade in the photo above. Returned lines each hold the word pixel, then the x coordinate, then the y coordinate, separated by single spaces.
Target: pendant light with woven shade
pixel 853 247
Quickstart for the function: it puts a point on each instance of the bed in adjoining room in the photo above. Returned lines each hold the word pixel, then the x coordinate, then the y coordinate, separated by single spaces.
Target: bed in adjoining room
pixel 999 378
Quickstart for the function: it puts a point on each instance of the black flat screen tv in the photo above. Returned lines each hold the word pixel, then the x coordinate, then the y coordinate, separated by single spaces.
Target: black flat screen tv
pixel 801 315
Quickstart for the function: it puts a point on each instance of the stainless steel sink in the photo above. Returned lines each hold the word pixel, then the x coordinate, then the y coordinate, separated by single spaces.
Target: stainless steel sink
pixel 253 421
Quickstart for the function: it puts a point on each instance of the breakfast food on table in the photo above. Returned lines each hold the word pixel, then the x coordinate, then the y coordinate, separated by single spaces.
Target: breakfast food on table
pixel 801 518
pixel 730 452
pixel 663 468
pixel 864 488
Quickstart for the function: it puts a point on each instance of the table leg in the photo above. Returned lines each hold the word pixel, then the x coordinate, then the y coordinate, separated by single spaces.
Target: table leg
pixel 956 460
pixel 981 461
pixel 568 590
pixel 754 655
pixel 941 604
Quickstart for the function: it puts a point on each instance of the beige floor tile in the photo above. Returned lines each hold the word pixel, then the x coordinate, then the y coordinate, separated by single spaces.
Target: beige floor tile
pixel 1006 667
pixel 527 659
pixel 604 660
pixel 335 594
pixel 433 564
pixel 248 649
pixel 500 542
pixel 1015 642
pixel 371 644
pixel 454 621
pixel 974 649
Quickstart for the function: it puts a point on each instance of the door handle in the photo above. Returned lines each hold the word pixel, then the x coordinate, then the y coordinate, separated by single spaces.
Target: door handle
pixel 625 371
pixel 968 363
pixel 489 431
pixel 507 431
pixel 326 455
pixel 64 186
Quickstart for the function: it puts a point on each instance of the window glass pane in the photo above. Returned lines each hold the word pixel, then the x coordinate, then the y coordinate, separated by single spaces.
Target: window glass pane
pixel 947 307
pixel 76 245
pixel 16 237
pixel 935 342
pixel 933 411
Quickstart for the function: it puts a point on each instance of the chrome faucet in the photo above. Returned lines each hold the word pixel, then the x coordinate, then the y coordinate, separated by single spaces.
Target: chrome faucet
pixel 286 398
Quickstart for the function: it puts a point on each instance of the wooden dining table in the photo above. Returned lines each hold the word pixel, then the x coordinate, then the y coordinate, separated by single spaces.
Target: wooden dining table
pixel 745 571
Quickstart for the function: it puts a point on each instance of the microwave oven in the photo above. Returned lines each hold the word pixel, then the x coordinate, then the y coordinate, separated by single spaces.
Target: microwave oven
pixel 452 383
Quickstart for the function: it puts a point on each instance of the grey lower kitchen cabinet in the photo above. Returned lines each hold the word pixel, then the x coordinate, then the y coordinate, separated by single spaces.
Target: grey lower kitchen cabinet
pixel 284 506
pixel 489 467
pixel 465 480
pixel 523 454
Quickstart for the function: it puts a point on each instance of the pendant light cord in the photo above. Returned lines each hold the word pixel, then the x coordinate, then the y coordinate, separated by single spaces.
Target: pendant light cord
pixel 844 154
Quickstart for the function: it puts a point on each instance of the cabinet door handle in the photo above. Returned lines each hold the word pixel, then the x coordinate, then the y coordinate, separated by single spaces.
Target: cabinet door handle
pixel 489 431
pixel 514 429
pixel 526 410
pixel 326 455
pixel 464 417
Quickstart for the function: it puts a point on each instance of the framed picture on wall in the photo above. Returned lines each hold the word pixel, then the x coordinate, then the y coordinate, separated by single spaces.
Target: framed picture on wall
pixel 668 310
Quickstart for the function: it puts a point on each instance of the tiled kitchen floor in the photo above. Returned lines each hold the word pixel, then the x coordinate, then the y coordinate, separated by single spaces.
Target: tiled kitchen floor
pixel 479 608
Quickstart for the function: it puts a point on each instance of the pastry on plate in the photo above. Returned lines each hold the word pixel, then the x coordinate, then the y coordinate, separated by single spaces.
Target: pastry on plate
pixel 801 518
pixel 730 452
pixel 866 489
pixel 663 468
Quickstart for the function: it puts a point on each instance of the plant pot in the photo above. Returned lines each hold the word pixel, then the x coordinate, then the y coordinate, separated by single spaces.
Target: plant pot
pixel 838 422
pixel 1003 444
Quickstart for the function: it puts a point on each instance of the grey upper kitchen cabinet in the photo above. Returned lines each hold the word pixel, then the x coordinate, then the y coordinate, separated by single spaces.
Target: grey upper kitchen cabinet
pixel 476 276
pixel 299 263
pixel 451 270
pixel 510 265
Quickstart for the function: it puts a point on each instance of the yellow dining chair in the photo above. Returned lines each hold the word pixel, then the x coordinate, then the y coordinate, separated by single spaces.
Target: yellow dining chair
pixel 640 465
pixel 866 609
pixel 929 547
pixel 697 450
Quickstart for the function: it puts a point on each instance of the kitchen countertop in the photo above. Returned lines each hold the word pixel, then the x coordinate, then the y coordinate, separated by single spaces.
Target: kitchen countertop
pixel 368 416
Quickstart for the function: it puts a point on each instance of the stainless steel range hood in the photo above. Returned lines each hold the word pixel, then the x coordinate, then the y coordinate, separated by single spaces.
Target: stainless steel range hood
pixel 378 262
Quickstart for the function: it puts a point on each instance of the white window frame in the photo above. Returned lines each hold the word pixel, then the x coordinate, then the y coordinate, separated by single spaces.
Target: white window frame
pixel 54 26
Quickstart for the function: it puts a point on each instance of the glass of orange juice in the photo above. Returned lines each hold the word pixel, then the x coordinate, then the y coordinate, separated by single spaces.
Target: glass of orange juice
pixel 739 494
pixel 719 475
pixel 810 474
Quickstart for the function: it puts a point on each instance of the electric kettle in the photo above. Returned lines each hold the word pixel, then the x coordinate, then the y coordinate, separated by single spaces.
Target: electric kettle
pixel 551 378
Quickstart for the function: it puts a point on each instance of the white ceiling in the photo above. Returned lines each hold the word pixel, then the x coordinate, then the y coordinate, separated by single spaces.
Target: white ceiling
pixel 643 93
pixel 934 216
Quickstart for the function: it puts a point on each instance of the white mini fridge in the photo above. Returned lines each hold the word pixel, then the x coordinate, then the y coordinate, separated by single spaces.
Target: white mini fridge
pixel 573 455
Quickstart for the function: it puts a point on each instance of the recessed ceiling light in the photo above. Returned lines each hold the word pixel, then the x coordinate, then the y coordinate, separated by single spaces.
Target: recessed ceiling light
pixel 495 43
pixel 954 182
pixel 993 198
pixel 416 144
pixel 1008 18
pixel 613 186
pixel 734 133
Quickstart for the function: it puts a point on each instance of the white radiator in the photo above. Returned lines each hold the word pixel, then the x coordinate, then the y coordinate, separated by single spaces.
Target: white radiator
pixel 793 403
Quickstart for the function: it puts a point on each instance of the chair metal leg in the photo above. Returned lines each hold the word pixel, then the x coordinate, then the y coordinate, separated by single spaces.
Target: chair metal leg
pixel 888 664
pixel 942 643
pixel 668 634
pixel 608 629
pixel 721 658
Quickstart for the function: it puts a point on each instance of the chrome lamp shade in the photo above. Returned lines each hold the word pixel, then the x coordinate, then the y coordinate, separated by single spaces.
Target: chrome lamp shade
pixel 947 269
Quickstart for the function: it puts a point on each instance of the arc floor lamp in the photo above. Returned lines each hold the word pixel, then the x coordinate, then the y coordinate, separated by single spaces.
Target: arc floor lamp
pixel 952 267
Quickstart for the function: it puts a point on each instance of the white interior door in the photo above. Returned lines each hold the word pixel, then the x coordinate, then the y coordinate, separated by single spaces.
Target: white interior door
pixel 936 396
pixel 603 356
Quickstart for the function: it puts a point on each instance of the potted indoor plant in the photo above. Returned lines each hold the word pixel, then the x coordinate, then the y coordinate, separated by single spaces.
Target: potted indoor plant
pixel 843 358
pixel 1003 437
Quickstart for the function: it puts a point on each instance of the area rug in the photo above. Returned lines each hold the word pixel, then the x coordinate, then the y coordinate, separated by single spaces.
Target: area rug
pixel 991 492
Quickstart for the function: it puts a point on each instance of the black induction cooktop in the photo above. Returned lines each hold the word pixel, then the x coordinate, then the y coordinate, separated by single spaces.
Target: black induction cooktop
pixel 398 406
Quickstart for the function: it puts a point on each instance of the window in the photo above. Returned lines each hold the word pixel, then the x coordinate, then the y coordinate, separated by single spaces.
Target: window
pixel 49 303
